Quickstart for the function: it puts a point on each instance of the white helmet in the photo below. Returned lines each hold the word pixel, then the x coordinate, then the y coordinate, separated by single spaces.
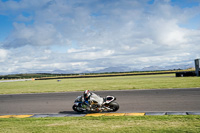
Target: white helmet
pixel 86 94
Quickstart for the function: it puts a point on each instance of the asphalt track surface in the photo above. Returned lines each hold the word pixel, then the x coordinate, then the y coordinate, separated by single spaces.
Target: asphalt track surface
pixel 164 100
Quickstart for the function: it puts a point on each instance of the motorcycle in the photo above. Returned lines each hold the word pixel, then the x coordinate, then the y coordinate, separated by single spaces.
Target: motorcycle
pixel 108 105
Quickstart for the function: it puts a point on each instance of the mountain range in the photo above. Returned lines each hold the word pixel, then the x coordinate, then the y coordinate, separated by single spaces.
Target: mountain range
pixel 127 69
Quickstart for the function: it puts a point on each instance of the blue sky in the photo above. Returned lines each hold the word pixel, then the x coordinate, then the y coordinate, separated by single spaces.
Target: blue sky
pixel 90 35
pixel 5 26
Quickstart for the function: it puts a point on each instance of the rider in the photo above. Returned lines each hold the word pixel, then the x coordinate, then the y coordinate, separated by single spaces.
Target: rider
pixel 92 99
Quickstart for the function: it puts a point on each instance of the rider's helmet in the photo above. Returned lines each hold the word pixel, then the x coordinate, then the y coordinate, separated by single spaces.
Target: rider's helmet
pixel 86 94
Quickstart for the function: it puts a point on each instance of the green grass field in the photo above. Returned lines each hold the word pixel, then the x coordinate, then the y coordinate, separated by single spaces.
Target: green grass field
pixel 115 124
pixel 163 81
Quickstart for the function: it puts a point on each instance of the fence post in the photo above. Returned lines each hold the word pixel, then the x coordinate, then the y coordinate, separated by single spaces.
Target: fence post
pixel 197 63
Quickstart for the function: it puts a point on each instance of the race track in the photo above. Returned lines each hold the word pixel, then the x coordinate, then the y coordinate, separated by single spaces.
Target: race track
pixel 129 101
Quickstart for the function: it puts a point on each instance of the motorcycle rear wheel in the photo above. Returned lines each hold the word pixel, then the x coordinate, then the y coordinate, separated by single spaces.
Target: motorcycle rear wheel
pixel 114 106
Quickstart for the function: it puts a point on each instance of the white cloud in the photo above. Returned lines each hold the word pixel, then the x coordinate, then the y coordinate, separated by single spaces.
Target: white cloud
pixel 3 55
pixel 92 55
pixel 89 35
pixel 23 18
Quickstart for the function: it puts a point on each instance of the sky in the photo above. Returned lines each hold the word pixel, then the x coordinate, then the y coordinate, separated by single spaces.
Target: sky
pixel 90 35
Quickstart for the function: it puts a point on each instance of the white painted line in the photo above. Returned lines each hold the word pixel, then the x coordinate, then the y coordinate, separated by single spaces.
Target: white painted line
pixel 15 80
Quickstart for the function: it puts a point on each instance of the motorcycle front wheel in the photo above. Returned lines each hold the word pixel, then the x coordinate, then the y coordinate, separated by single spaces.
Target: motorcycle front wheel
pixel 75 108
pixel 114 106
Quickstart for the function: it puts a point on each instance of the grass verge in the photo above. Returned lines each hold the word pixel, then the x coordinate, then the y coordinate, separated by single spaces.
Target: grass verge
pixel 115 124
pixel 103 83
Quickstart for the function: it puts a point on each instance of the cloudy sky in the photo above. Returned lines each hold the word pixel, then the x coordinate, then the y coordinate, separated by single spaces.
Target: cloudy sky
pixel 89 35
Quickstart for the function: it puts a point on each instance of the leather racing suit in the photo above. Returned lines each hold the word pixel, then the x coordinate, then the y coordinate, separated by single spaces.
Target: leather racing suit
pixel 94 101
